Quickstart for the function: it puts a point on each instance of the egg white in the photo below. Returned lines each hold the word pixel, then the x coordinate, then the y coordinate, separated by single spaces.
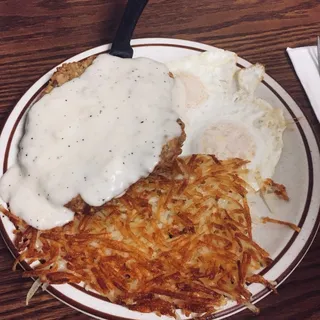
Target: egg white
pixel 216 101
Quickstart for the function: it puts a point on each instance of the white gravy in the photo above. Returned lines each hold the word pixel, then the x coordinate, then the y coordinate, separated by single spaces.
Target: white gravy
pixel 94 136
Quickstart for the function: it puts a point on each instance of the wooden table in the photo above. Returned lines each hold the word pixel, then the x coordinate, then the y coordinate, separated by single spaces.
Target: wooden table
pixel 35 35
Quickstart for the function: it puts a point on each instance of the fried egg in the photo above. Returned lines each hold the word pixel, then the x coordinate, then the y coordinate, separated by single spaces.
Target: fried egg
pixel 222 115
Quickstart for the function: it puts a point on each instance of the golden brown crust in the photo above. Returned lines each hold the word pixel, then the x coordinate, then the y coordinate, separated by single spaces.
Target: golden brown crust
pixel 67 72
pixel 77 205
pixel 172 149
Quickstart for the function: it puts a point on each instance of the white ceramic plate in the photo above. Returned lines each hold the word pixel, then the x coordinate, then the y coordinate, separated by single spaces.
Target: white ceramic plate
pixel 298 169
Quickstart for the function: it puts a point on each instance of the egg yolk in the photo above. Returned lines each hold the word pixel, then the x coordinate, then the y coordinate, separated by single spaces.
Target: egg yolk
pixel 228 140
pixel 195 91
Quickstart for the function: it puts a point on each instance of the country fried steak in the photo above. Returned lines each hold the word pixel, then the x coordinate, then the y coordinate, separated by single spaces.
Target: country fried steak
pixel 68 71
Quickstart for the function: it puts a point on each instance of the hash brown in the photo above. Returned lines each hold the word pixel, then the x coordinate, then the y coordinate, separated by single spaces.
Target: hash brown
pixel 178 239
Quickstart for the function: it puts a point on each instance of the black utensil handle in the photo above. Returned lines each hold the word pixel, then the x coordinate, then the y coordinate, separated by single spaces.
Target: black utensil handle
pixel 121 43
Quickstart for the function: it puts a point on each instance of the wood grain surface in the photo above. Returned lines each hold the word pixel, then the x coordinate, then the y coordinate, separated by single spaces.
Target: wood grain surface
pixel 35 35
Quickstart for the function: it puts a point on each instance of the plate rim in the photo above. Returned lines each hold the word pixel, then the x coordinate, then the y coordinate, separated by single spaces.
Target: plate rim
pixel 30 96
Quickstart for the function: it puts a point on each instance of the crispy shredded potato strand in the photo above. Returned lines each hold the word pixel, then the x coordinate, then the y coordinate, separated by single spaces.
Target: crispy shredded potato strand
pixel 289 224
pixel 269 186
pixel 180 238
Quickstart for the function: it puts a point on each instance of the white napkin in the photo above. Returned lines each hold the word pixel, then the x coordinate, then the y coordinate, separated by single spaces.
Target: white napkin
pixel 306 65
